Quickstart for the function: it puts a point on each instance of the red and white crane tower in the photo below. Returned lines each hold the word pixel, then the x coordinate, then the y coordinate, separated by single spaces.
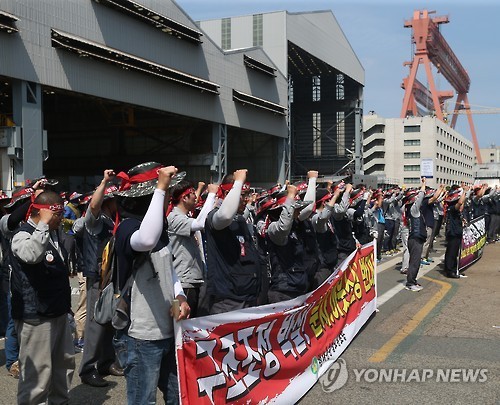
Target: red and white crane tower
pixel 431 47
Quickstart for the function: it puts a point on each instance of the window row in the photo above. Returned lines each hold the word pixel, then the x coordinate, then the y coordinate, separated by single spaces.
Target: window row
pixel 455 162
pixel 316 134
pixel 452 172
pixel 457 152
pixel 339 88
pixel 453 139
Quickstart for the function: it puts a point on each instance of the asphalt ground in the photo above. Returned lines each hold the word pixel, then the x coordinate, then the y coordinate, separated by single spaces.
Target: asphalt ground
pixel 451 326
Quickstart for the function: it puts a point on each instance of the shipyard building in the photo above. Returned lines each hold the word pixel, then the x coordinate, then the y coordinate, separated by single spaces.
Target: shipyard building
pixel 395 150
pixel 89 85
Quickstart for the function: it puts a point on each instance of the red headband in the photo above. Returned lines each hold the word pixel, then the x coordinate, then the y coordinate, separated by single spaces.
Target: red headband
pixel 138 178
pixel 52 207
pixel 223 188
pixel 185 193
pixel 228 186
pixel 58 208
pixel 175 201
pixel 326 197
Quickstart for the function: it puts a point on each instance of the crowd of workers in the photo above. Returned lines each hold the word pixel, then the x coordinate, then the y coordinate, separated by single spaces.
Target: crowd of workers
pixel 213 248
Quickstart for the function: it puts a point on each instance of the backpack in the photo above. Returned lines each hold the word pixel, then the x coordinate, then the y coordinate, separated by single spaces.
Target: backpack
pixel 108 293
pixel 112 308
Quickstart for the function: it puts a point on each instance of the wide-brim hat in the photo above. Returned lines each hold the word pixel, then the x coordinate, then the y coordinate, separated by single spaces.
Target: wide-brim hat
pixel 356 196
pixel 281 198
pixel 139 181
pixel 86 198
pixel 429 192
pixel 263 206
pixel 75 196
pixel 274 190
pixel 453 196
pixel 301 187
pixel 338 185
pixel 110 191
pixel 322 194
pixel 410 197
pixel 20 194
pixel 377 193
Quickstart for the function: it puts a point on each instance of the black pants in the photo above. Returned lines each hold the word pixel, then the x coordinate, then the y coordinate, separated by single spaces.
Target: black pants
pixel 98 351
pixel 192 297
pixel 415 247
pixel 494 227
pixel 451 256
pixel 380 239
pixel 390 228
pixel 438 224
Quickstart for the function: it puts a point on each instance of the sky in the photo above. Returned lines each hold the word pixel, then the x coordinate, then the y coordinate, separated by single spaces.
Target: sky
pixel 375 30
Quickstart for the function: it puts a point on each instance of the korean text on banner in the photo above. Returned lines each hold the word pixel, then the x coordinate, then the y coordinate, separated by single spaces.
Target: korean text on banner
pixel 277 352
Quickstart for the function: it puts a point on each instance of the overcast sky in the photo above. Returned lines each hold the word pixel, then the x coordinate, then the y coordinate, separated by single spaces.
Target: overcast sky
pixel 376 33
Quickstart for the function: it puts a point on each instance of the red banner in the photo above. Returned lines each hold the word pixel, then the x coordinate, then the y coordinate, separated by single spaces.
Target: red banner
pixel 275 352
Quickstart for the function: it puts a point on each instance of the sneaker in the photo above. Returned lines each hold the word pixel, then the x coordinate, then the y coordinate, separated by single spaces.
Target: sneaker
pixel 414 287
pixel 424 262
pixel 428 259
pixel 14 369
pixel 404 271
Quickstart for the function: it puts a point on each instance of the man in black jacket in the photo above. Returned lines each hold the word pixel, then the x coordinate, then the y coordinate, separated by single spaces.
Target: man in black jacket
pixel 41 301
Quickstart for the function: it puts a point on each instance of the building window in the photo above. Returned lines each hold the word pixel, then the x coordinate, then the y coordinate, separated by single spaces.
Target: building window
pixel 316 88
pixel 339 89
pixel 412 142
pixel 257 30
pixel 290 89
pixel 411 180
pixel 412 155
pixel 411 168
pixel 411 128
pixel 226 33
pixel 340 133
pixel 316 134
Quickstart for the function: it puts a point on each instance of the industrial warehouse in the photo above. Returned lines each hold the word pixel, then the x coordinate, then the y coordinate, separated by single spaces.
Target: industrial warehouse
pixel 89 84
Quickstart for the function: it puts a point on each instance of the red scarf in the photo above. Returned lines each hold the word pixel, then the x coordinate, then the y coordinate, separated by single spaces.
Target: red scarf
pixel 138 178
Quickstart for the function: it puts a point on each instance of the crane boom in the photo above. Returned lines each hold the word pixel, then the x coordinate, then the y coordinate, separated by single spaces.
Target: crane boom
pixel 431 47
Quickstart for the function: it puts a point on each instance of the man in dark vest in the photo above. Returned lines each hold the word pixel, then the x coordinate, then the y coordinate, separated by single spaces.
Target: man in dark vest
pixel 293 249
pixel 454 229
pixel 234 269
pixel 416 238
pixel 99 222
pixel 41 301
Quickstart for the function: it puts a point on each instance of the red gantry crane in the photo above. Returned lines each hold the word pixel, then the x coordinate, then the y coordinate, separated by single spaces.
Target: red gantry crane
pixel 431 47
